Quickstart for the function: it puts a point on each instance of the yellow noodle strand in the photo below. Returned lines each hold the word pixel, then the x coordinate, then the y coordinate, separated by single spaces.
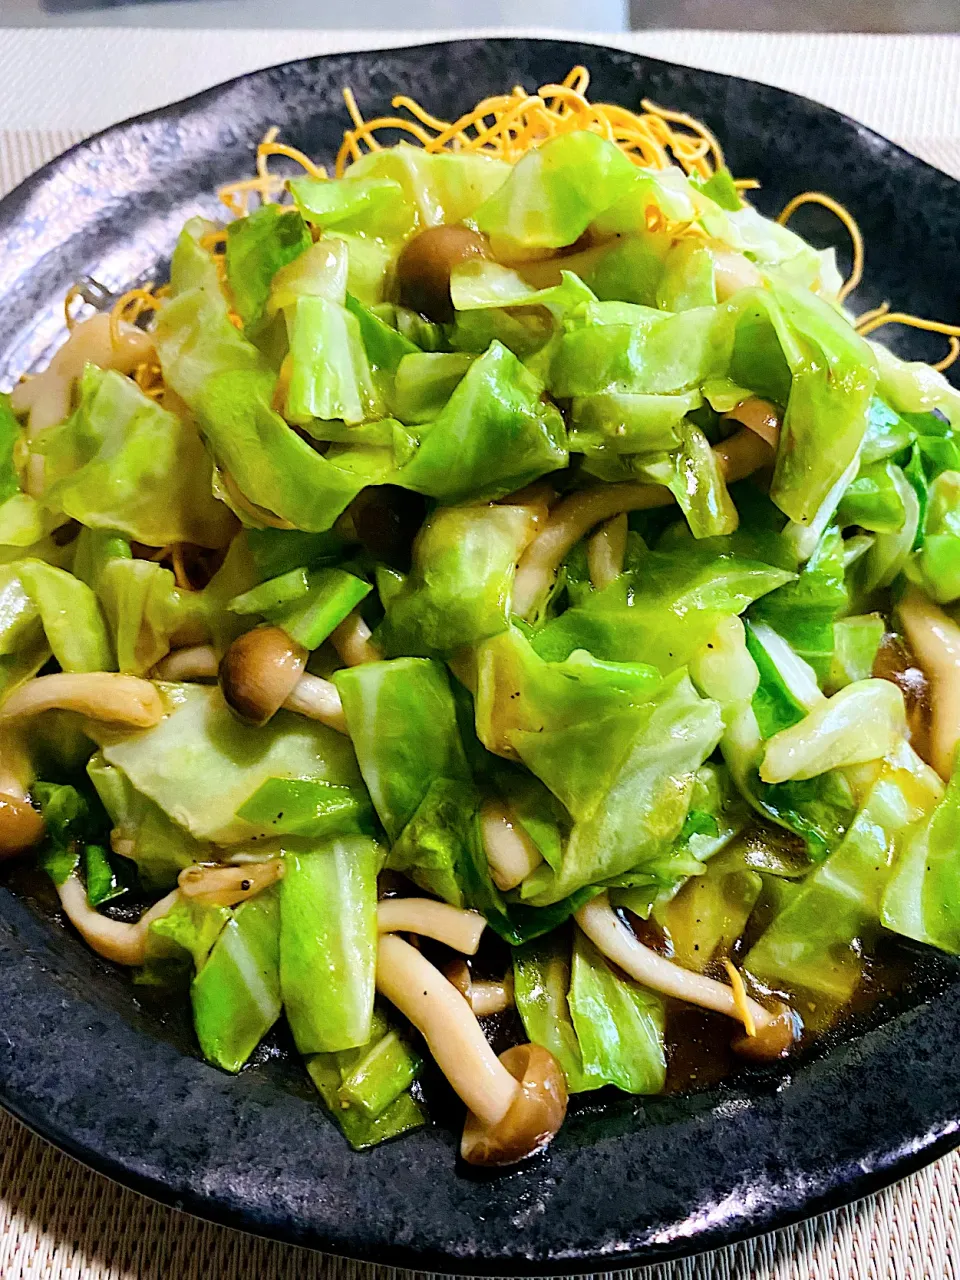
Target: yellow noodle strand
pixel 740 998
pixel 856 238
pixel 875 320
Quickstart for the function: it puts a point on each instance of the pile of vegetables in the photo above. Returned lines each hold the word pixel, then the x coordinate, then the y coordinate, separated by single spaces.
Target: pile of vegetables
pixel 465 544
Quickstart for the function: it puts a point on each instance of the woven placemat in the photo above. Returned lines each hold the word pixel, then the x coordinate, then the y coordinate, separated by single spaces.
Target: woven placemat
pixel 59 1220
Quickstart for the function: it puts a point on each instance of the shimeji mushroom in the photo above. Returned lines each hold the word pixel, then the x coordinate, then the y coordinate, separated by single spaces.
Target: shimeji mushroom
pixel 485 995
pixel 46 397
pixel 227 886
pixel 125 942
pixel 100 695
pixel 263 670
pixel 21 826
pixel 511 854
pixel 453 926
pixel 769 1033
pixel 517 1102
pixel 197 662
pixel 116 940
pixel 352 641
pixel 426 263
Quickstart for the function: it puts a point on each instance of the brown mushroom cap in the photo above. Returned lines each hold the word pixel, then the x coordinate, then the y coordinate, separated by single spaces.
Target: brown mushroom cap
pixel 424 267
pixel 259 671
pixel 773 1040
pixel 21 826
pixel 533 1118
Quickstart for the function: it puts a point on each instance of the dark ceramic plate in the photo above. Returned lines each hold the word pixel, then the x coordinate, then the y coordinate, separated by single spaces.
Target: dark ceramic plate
pixel 85 1061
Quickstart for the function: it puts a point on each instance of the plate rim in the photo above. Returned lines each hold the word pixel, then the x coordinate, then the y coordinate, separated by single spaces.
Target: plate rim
pixel 899 1165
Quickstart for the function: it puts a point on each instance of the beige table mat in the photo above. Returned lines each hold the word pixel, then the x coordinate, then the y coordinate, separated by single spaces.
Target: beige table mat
pixel 59 1221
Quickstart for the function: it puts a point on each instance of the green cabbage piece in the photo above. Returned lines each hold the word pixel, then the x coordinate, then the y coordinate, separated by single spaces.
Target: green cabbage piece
pixel 70 616
pixel 494 435
pixel 236 994
pixel 862 722
pixel 621 348
pixel 816 943
pixel 122 462
pixel 936 566
pixel 554 192
pixel 321 271
pixel 258 246
pixel 541 974
pixel 922 898
pixel 200 764
pixel 329 373
pixel 662 611
pixel 620 422
pixel 328 927
pixel 458 590
pixel 403 726
pixel 638 817
pixel 143 832
pixel 271 465
pixel 442 186
pixel 374 207
pixel 619 1024
pixel 425 381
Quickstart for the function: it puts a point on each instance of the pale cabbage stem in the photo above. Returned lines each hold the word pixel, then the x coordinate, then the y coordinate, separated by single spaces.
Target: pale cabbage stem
pixel 511 854
pixel 449 1026
pixel 46 397
pixel 606 551
pixel 577 514
pixel 611 936
pixel 458 929
pixel 101 695
pixel 935 639
pixel 115 940
pixel 353 643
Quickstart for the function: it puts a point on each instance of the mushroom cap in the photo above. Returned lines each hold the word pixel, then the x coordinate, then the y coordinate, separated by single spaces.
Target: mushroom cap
pixel 21 826
pixel 774 1039
pixel 259 671
pixel 532 1119
pixel 424 267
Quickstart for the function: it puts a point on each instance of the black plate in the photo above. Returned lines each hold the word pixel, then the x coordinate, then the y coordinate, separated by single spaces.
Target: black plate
pixel 85 1062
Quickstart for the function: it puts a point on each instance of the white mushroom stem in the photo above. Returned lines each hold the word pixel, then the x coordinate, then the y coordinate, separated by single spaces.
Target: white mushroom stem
pixel 459 929
pixel 227 886
pixel 446 1022
pixel 317 699
pixel 199 662
pixel 352 641
pixel 47 396
pixel 935 639
pixel 606 551
pixel 760 416
pixel 511 854
pixel 101 695
pixel 610 935
pixel 488 996
pixel 574 517
pixel 113 939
